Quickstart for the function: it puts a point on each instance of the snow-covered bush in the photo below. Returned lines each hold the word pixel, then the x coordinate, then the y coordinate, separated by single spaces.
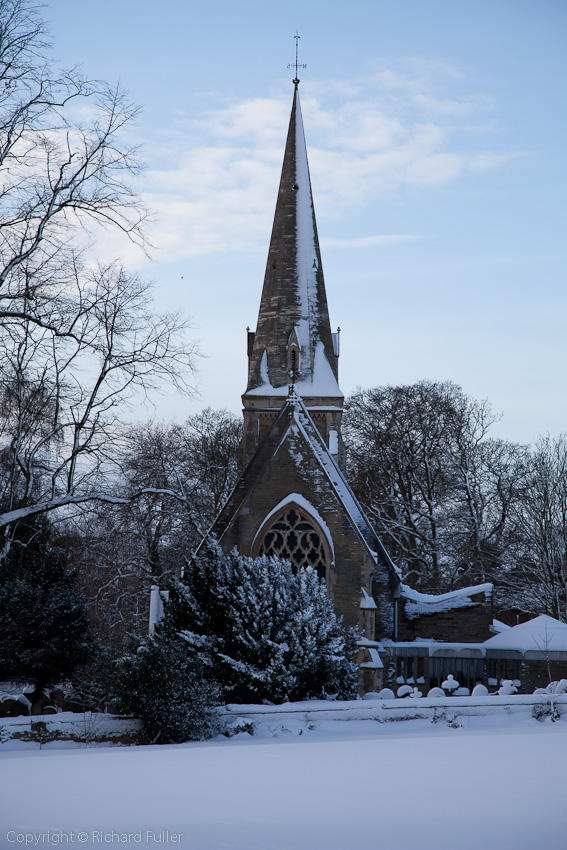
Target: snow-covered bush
pixel 261 632
pixel 164 686
pixel 480 691
pixel 435 693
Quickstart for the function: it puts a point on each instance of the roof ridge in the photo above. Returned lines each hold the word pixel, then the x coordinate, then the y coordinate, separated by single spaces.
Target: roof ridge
pixel 344 484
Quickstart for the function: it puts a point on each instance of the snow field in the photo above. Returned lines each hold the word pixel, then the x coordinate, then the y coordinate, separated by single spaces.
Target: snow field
pixel 496 783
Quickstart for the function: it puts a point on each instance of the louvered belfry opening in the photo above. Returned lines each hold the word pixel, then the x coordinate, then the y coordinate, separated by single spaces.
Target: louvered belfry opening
pixel 292 537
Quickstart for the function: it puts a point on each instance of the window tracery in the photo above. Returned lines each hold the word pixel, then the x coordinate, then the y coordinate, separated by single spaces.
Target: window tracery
pixel 293 538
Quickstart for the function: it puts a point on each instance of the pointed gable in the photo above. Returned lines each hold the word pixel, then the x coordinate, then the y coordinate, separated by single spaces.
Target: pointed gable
pixel 293 296
pixel 294 469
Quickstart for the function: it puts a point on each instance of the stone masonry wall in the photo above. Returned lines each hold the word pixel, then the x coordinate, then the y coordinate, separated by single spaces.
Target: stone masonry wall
pixel 466 624
pixel 294 469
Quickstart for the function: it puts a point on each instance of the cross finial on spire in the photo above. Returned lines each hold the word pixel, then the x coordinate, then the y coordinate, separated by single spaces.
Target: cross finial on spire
pixel 297 64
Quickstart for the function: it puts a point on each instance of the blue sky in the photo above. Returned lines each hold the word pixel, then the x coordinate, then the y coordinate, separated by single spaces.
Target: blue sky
pixel 436 140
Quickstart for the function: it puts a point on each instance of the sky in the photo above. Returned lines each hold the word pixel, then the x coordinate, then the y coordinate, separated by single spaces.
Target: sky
pixel 436 143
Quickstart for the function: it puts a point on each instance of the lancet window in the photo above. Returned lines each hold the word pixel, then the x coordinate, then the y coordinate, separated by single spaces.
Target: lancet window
pixel 293 355
pixel 292 537
pixel 293 360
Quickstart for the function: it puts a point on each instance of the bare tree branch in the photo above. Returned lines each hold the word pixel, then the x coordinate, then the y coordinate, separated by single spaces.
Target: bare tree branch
pixel 76 343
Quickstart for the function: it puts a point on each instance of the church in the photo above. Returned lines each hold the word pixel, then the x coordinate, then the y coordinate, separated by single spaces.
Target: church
pixel 292 499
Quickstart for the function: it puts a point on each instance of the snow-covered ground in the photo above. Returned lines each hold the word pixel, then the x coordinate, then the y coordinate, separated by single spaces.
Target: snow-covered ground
pixel 494 782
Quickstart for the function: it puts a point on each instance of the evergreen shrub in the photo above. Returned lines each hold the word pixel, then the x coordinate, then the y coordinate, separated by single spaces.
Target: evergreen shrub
pixel 163 685
pixel 236 629
pixel 44 627
pixel 263 633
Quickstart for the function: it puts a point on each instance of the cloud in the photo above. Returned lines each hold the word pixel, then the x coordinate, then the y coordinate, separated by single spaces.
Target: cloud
pixel 213 180
pixel 240 121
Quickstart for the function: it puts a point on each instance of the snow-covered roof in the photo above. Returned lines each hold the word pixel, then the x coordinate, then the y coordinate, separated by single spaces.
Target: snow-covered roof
pixel 375 662
pixel 364 641
pixel 431 647
pixel 367 602
pixel 498 626
pixel 302 420
pixel 542 634
pixel 418 603
pixel 533 640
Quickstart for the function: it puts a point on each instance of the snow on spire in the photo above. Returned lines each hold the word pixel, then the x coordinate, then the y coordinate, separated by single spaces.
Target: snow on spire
pixel 306 251
pixel 294 302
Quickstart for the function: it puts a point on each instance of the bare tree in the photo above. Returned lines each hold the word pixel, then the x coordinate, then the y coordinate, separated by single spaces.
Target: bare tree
pixel 206 446
pixel 76 342
pixel 57 174
pixel 437 488
pixel 489 481
pixel 539 578
pixel 396 438
pixel 61 396
pixel 184 474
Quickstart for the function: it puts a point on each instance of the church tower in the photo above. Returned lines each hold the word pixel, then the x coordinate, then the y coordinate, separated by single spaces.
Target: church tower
pixel 292 500
pixel 293 344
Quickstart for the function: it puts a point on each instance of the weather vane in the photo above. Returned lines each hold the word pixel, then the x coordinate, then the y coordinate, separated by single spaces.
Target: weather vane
pixel 296 65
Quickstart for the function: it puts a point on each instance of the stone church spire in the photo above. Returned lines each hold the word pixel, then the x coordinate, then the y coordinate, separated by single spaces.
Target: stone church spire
pixel 293 330
pixel 292 343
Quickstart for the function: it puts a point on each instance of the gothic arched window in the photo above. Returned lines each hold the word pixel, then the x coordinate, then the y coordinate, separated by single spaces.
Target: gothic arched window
pixel 293 360
pixel 292 537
